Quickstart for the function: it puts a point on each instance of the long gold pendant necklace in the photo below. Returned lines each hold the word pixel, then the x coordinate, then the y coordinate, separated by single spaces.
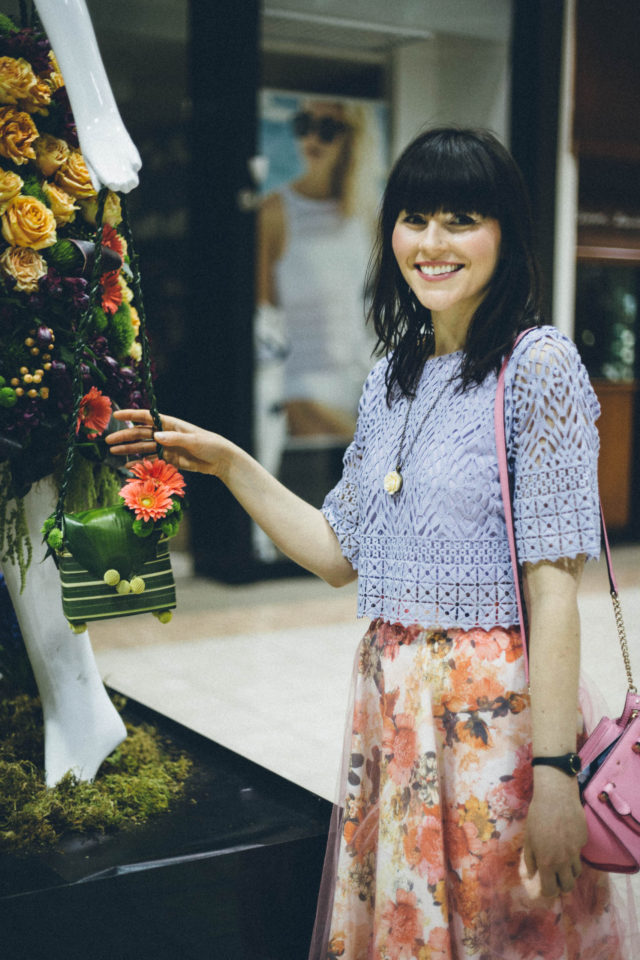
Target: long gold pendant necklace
pixel 393 479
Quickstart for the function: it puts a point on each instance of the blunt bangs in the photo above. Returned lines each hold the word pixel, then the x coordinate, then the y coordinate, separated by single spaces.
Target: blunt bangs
pixel 445 170
pixel 452 170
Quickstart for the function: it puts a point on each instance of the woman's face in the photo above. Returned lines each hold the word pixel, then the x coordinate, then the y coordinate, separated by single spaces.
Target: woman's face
pixel 448 259
pixel 323 134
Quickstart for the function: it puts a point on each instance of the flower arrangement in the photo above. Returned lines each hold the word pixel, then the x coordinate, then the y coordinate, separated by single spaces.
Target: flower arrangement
pixel 152 493
pixel 48 209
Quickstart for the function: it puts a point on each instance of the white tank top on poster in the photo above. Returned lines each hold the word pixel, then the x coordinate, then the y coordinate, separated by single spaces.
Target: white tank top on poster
pixel 320 285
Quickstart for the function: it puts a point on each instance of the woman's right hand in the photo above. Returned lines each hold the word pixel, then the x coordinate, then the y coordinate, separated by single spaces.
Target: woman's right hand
pixel 184 445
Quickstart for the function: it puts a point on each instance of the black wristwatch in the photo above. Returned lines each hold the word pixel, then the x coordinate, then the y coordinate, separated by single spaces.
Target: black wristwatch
pixel 570 763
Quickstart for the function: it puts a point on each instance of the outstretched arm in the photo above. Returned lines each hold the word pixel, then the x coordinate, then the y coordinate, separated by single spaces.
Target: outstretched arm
pixel 111 156
pixel 556 827
pixel 298 529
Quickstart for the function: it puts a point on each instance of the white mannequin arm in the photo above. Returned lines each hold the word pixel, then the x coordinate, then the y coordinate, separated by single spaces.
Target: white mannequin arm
pixel 111 156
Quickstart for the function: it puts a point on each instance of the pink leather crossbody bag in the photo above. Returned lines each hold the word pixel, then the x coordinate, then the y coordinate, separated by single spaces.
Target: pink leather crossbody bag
pixel 610 757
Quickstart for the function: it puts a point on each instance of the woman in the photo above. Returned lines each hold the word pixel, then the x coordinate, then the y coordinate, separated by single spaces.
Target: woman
pixel 313 243
pixel 442 800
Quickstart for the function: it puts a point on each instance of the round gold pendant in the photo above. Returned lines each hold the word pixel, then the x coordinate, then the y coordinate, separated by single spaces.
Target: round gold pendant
pixel 392 482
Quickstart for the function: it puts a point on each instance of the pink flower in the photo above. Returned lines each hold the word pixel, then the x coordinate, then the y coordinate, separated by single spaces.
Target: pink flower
pixel 401 741
pixel 404 923
pixel 162 473
pixel 94 413
pixel 148 500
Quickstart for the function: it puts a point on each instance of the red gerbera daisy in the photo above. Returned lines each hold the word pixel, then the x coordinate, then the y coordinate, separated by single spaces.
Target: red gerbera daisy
pixel 162 473
pixel 146 499
pixel 111 291
pixel 112 239
pixel 94 413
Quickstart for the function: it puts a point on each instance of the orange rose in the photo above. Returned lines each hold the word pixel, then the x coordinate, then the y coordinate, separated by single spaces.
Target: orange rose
pixel 16 79
pixel 51 153
pixel 24 266
pixel 28 223
pixel 73 176
pixel 112 210
pixel 10 186
pixel 61 203
pixel 17 133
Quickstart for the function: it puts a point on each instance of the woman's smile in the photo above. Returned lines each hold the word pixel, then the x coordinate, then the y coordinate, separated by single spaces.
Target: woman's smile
pixel 447 259
pixel 437 271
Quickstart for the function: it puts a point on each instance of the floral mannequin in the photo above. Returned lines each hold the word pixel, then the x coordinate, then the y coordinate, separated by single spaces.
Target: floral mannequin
pixel 80 723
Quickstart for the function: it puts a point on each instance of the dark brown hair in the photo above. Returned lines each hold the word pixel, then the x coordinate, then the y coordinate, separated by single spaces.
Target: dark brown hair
pixel 465 172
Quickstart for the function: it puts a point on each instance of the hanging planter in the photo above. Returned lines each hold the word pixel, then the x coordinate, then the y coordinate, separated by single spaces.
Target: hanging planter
pixel 114 560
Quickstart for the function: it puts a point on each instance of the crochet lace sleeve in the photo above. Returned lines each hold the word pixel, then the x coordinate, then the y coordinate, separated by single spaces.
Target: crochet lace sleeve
pixel 341 506
pixel 553 451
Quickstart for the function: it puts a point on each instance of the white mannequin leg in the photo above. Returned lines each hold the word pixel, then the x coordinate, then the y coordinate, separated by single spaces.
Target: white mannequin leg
pixel 81 725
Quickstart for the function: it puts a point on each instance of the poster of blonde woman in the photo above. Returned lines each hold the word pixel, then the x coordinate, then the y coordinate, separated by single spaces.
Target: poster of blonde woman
pixel 326 157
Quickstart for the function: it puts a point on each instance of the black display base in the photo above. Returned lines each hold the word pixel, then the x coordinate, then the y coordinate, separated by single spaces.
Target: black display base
pixel 231 873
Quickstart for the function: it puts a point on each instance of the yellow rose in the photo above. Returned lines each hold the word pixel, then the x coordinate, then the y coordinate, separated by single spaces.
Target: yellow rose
pixel 135 319
pixel 38 99
pixel 16 79
pixel 127 293
pixel 135 351
pixel 51 153
pixel 61 203
pixel 24 266
pixel 27 222
pixel 112 210
pixel 10 186
pixel 17 133
pixel 73 176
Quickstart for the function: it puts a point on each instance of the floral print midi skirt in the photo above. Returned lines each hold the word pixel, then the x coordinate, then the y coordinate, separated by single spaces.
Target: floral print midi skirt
pixel 428 845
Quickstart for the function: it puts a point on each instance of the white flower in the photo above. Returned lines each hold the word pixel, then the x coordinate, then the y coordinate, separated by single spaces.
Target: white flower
pixel 392 482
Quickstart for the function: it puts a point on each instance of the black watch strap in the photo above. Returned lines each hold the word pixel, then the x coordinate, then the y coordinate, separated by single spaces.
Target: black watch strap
pixel 569 763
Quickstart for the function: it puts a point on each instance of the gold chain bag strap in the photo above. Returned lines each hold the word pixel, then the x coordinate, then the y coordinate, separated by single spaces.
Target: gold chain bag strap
pixel 107 569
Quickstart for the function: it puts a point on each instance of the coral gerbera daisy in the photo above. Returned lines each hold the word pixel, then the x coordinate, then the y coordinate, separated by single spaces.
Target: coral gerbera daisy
pixel 146 499
pixel 162 473
pixel 111 291
pixel 94 413
pixel 112 239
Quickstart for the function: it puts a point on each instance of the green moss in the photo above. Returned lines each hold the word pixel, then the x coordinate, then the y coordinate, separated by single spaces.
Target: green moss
pixel 138 781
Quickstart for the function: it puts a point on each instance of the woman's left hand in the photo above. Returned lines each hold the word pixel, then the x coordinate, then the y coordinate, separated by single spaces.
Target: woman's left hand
pixel 556 831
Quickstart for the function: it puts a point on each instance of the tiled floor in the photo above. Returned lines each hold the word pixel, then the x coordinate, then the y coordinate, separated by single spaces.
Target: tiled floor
pixel 265 669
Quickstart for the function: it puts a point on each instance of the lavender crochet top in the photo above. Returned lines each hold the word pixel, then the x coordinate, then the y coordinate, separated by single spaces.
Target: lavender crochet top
pixel 436 553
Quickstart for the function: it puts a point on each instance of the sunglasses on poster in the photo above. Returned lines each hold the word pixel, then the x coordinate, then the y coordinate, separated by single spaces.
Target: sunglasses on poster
pixel 325 128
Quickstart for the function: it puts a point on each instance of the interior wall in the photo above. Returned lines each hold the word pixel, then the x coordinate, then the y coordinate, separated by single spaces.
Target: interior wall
pixel 431 83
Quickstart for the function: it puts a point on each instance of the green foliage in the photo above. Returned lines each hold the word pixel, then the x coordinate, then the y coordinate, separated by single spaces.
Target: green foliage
pixel 92 484
pixel 143 528
pixel 32 188
pixel 8 397
pixel 55 539
pixel 138 781
pixel 121 332
pixel 64 256
pixel 7 25
pixel 15 544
